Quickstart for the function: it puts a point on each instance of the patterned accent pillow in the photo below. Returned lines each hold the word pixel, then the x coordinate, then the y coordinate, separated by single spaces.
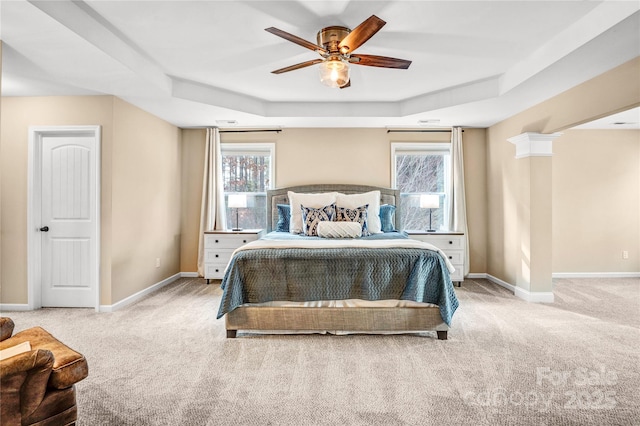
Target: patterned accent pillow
pixel 359 214
pixel 297 200
pixel 371 198
pixel 284 213
pixel 312 216
pixel 386 217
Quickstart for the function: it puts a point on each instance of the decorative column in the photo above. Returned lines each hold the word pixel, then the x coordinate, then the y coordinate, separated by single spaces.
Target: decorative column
pixel 534 151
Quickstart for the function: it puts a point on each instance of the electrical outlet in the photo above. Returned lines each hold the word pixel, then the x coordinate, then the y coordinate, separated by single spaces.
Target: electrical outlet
pixel 625 254
pixel 157 262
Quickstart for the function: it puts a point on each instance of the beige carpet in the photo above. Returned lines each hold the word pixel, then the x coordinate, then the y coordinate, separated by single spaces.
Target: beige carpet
pixel 166 361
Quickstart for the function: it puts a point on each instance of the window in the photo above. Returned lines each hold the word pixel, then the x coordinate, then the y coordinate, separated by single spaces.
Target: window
pixel 248 169
pixel 422 168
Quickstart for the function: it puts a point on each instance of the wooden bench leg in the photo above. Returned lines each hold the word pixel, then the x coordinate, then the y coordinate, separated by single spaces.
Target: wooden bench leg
pixel 442 335
pixel 231 334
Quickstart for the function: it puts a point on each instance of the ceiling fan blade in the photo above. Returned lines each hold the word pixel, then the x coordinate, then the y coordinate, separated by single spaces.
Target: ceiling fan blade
pixel 379 61
pixel 297 40
pixel 346 85
pixel 297 66
pixel 360 34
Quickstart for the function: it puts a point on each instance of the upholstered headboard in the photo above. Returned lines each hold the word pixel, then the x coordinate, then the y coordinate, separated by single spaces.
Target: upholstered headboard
pixel 279 196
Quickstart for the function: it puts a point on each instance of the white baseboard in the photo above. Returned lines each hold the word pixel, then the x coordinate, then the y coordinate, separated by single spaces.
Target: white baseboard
pixel 534 297
pixel 473 275
pixel 13 307
pixel 189 275
pixel 139 295
pixel 502 283
pixel 495 280
pixel 596 275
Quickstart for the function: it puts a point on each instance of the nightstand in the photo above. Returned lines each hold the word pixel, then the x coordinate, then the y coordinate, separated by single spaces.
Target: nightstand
pixel 219 246
pixel 451 243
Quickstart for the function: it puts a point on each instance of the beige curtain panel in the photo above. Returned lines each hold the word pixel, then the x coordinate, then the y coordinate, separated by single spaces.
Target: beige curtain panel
pixel 458 212
pixel 212 211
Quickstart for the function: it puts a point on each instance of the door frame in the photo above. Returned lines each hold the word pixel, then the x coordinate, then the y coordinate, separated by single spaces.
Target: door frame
pixel 34 211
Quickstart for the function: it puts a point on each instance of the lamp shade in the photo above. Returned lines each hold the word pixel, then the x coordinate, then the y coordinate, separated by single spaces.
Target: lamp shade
pixel 237 201
pixel 334 73
pixel 429 201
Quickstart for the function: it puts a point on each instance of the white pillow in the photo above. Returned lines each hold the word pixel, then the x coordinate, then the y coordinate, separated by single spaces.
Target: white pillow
pixel 353 201
pixel 328 229
pixel 297 200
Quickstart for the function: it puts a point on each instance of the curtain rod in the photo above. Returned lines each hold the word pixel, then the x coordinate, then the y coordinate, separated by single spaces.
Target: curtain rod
pixel 420 131
pixel 250 131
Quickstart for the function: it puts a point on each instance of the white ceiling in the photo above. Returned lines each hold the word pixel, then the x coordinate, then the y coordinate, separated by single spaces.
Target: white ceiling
pixel 199 63
pixel 629 119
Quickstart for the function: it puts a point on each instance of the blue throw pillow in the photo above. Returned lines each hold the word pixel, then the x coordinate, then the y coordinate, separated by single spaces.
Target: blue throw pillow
pixel 284 214
pixel 358 214
pixel 386 217
pixel 311 217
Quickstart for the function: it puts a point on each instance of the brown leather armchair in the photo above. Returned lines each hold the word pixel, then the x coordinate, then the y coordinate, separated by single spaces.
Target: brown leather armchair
pixel 38 387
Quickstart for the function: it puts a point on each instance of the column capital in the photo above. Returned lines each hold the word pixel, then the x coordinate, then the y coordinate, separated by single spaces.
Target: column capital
pixel 532 144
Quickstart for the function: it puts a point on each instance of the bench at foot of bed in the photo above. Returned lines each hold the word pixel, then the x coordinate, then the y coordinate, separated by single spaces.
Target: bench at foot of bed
pixel 231 334
pixel 355 320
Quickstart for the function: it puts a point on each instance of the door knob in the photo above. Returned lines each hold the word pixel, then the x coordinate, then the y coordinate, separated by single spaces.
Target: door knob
pixel 45 229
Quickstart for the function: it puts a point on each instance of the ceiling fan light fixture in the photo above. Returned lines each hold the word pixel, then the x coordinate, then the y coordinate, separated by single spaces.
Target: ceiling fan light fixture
pixel 336 45
pixel 334 73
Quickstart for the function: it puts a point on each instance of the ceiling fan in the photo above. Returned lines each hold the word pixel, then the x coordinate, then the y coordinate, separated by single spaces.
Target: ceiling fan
pixel 336 45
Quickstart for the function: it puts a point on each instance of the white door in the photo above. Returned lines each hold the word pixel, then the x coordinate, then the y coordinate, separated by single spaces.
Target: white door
pixel 68 220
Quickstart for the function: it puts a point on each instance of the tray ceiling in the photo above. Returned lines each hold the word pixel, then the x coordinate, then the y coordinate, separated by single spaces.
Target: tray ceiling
pixel 196 63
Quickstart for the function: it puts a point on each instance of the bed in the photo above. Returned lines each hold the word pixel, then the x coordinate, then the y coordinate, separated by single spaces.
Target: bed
pixel 385 283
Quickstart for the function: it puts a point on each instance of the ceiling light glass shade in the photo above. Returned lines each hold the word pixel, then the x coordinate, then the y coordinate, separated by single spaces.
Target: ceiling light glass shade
pixel 334 73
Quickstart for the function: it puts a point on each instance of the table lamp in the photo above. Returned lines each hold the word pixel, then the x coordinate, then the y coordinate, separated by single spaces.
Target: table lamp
pixel 237 201
pixel 429 201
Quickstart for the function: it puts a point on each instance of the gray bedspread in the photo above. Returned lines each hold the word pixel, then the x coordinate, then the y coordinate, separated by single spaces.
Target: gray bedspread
pixel 294 274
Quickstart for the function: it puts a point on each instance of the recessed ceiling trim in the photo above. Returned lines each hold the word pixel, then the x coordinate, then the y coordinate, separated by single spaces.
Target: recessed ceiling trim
pixel 602 18
pixel 457 95
pixel 333 109
pixel 80 18
pixel 198 92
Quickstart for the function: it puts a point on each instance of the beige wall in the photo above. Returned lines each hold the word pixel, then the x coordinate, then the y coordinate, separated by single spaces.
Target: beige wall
pixel 124 128
pixel 358 156
pixel 613 91
pixel 146 200
pixel 596 201
pixel 306 156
